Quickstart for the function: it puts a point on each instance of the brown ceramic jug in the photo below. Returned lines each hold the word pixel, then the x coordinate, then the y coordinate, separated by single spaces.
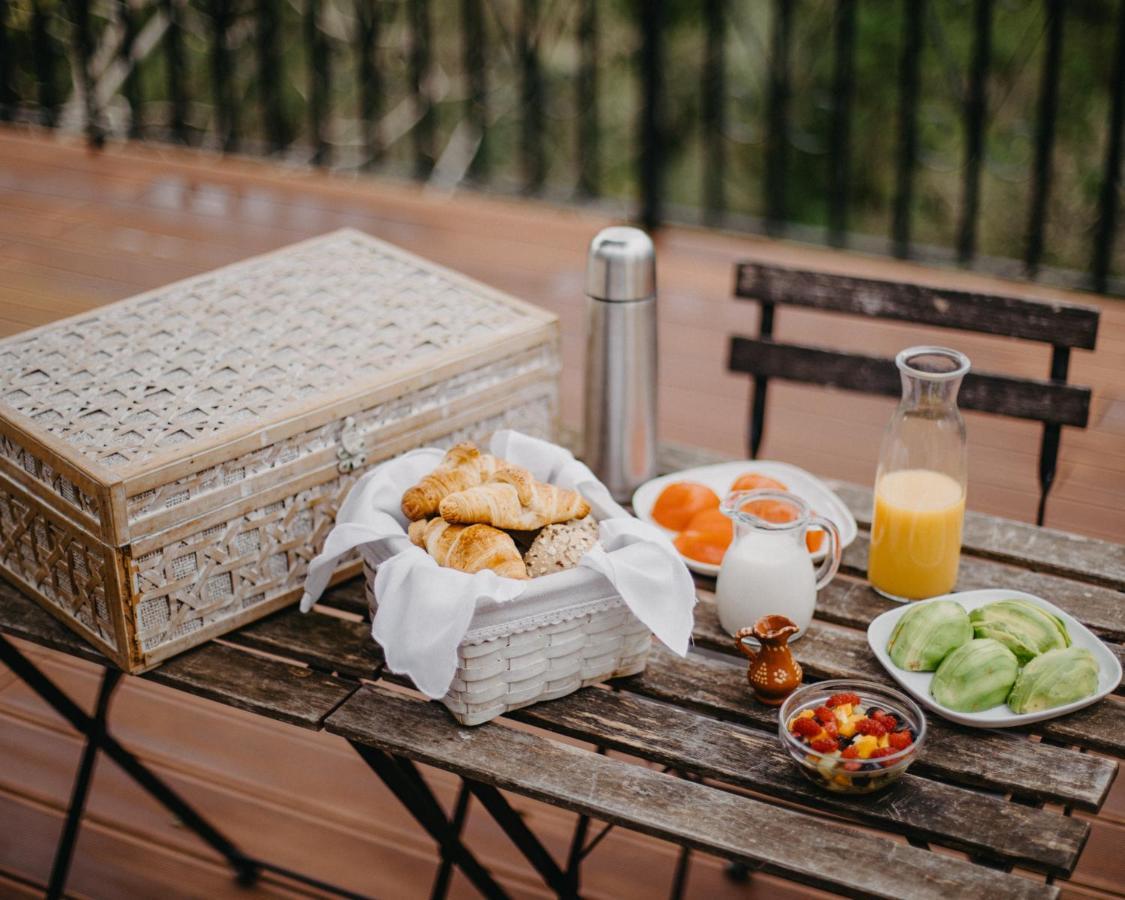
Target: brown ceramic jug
pixel 773 674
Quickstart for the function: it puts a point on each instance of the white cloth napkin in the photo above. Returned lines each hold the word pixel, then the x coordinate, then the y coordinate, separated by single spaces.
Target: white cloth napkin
pixel 425 610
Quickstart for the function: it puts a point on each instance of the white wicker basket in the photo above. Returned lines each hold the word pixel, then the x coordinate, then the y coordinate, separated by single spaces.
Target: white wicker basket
pixel 567 631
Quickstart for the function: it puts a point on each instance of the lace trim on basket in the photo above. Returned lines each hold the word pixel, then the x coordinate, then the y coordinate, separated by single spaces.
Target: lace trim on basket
pixel 518 626
pixel 530 623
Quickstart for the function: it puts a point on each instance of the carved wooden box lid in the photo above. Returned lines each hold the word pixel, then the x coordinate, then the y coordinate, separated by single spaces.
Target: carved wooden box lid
pixel 104 408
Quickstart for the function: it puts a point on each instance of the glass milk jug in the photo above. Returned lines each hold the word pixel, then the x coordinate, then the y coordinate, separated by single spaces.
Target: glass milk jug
pixel 921 480
pixel 768 569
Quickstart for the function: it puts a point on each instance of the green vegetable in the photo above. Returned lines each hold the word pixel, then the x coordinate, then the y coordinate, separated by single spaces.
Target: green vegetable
pixel 1025 629
pixel 1055 678
pixel 977 675
pixel 927 633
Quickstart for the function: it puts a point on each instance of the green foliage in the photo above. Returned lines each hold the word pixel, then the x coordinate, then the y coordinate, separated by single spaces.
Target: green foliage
pixel 1012 100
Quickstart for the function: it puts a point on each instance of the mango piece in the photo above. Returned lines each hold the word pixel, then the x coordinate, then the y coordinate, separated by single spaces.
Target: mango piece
pixel 866 745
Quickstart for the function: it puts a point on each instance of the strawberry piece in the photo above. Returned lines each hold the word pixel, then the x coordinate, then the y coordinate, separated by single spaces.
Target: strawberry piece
pixel 879 752
pixel 853 766
pixel 851 752
pixel 889 722
pixel 840 699
pixel 805 727
pixel 874 727
pixel 831 728
pixel 899 740
pixel 824 714
pixel 824 745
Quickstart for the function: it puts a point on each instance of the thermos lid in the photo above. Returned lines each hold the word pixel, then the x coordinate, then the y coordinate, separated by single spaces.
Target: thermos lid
pixel 621 265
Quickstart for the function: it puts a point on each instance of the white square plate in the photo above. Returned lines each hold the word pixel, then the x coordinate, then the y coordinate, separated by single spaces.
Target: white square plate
pixel 721 476
pixel 917 684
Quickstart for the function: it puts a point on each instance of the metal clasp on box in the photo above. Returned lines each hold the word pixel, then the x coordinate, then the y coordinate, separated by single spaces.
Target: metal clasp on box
pixel 351 454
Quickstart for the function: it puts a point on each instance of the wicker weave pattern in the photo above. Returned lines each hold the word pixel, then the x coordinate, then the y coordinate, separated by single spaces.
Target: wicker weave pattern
pixel 172 462
pixel 57 561
pixel 42 472
pixel 528 665
pixel 548 662
pixel 161 371
pixel 291 450
pixel 226 568
pixel 259 556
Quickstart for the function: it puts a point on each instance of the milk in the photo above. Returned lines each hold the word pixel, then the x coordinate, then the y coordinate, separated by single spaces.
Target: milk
pixel 765 573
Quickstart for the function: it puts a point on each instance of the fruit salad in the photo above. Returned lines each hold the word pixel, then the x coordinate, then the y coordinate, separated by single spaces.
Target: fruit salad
pixel 848 743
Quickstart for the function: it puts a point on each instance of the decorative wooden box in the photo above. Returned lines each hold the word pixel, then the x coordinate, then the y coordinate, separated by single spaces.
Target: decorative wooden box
pixel 170 463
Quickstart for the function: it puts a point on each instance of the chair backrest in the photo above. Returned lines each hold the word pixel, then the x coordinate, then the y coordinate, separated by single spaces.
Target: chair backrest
pixel 1052 402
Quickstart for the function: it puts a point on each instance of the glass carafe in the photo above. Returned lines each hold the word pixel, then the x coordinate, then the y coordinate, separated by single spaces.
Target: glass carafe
pixel 921 480
pixel 768 569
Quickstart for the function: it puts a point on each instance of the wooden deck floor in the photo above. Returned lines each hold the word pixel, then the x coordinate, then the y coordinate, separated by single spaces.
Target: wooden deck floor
pixel 78 230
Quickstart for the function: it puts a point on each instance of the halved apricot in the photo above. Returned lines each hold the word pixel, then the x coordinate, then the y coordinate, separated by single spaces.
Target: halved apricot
pixel 701 546
pixel 712 521
pixel 770 510
pixel 753 481
pixel 680 501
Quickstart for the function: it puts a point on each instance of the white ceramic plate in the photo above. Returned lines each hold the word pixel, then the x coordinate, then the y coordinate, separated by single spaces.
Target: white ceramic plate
pixel 721 476
pixel 917 684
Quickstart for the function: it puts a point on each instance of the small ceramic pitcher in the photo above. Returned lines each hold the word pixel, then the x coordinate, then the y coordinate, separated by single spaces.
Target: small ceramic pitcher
pixel 773 674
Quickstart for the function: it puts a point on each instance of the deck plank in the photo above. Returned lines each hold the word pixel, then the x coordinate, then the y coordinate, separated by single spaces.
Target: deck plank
pixel 82 222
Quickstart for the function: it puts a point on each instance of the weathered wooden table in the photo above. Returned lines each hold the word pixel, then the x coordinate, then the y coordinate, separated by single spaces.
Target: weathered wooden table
pixel 718 781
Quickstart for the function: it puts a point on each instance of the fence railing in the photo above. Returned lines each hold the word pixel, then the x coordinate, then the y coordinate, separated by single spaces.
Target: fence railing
pixel 982 132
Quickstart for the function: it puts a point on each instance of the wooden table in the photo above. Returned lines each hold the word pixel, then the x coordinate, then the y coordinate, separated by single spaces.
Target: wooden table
pixel 715 777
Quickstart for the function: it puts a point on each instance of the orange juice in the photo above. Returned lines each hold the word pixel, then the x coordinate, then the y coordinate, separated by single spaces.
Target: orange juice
pixel 916 534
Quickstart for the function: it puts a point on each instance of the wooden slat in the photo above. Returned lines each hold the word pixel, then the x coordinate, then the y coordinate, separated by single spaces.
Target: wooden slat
pixel 322 641
pixel 1021 398
pixel 1099 608
pixel 853 603
pixel 918 807
pixel 1059 323
pixel 246 681
pixel 21 617
pixel 1021 543
pixel 783 841
pixel 829 652
pixel 997 762
pixel 988 759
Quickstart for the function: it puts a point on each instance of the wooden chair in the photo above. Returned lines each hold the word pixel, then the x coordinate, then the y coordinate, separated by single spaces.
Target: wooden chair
pixel 1062 325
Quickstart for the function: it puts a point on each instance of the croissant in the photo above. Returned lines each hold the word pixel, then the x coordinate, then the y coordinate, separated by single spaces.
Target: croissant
pixel 469 548
pixel 513 499
pixel 463 466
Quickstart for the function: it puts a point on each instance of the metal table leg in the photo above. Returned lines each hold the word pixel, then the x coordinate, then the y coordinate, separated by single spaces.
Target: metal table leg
pixel 64 853
pixel 421 803
pixel 445 870
pixel 98 738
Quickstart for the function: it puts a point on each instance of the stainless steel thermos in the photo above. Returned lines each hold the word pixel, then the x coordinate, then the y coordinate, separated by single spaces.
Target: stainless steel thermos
pixel 620 439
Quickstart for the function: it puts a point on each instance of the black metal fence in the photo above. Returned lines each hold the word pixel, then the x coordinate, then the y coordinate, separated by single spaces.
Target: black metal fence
pixel 983 132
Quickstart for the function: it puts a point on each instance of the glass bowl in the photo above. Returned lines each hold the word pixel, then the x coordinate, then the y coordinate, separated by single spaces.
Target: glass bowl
pixel 851 776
